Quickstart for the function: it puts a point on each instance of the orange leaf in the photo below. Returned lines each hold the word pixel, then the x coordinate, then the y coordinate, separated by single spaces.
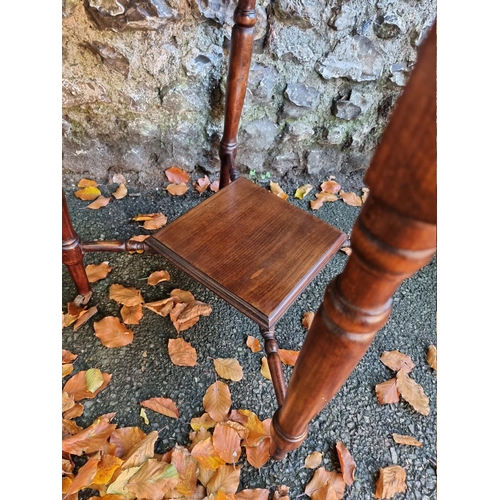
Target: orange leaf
pixel 214 186
pixel 205 422
pixel 432 356
pixel 67 402
pixel 83 183
pixel 151 221
pixel 158 277
pixel 330 187
pixel 131 315
pixel 88 193
pixel 177 189
pixel 161 307
pixel 347 250
pixel 112 332
pixel 186 467
pixel 84 477
pixel 391 480
pixel 165 406
pixel 140 237
pixel 217 401
pixel 106 468
pixel 176 175
pixel 96 272
pixel 125 438
pixel 100 202
pixel 184 315
pixel 408 440
pixel 413 393
pixel 68 356
pixel 120 192
pixel 256 429
pixel 322 478
pixel 84 317
pixel 76 386
pixel 181 352
pixel 307 319
pixel 74 412
pixel 204 453
pixel 347 465
pixel 313 460
pixel 253 344
pixel 276 189
pixel 351 199
pixel 226 442
pixel 288 357
pixel 258 455
pixel 202 184
pixel 396 361
pixel 182 295
pixel 141 451
pixel 387 392
pixel 255 494
pixel 264 368
pixel 226 478
pixel 67 369
pixel 316 204
pixel 127 296
pixel 153 479
pixel 228 368
pixel 326 197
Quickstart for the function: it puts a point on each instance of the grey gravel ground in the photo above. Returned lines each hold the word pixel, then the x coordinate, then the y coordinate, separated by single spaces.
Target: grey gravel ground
pixel 143 369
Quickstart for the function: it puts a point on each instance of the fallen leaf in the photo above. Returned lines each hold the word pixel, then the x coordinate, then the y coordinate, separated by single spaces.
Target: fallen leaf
pixel 313 460
pixel 408 440
pixel 365 194
pixel 162 306
pixel 281 492
pixel 276 189
pixel 330 187
pixel 100 202
pixel 214 186
pixel 412 392
pixel 76 386
pixel 88 193
pixel 182 353
pixel 351 199
pixel 176 175
pixel 347 465
pixel 144 416
pixel 322 478
pixel 432 356
pixel 131 315
pixel 76 411
pixel 205 422
pixel 151 221
pixel 217 401
pixel 253 343
pixel 140 237
pixel 83 183
pixel 264 368
pixel 119 485
pixel 288 357
pixel 387 392
pixel 228 368
pixel 255 494
pixel 150 481
pixel 184 316
pixel 182 295
pixel 105 469
pixel 177 189
pixel 303 191
pixel 391 480
pixel 125 438
pixel 84 317
pixel 226 442
pixel 140 451
pixel 67 369
pixel 396 361
pixel 186 467
pixel 227 477
pixel 307 319
pixel 316 204
pixel 67 402
pixel 96 272
pixel 202 184
pixel 347 250
pixel 158 277
pixel 127 296
pixel 85 476
pixel 120 192
pixel 204 453
pixel 68 356
pixel 119 179
pixel 258 455
pixel 250 421
pixel 165 406
pixel 112 332
pixel 93 379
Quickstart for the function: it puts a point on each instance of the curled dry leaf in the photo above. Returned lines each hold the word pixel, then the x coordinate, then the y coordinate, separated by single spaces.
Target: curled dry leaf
pixel 177 189
pixel 181 352
pixel 96 272
pixel 351 199
pixel 324 196
pixel 387 392
pixel 140 451
pixel 112 332
pixel 99 202
pixel 162 306
pixel 68 356
pixel 432 356
pixel 127 296
pixel 176 175
pixel 365 194
pixel 281 493
pixel 412 392
pixel 347 465
pixel 276 189
pixel 226 478
pixel 229 369
pixel 264 368
pixel 214 186
pixel 347 250
pixel 85 476
pixel 165 406
pixel 83 183
pixel 67 369
pixel 396 361
pixel 144 416
pixel 184 315
pixel 391 480
pixel 288 357
pixel 76 386
pixel 84 317
pixel 202 184
pixel 151 221
pixel 307 319
pixel 120 192
pixel 253 344
pixel 303 191
pixel 131 315
pixel 316 204
pixel 408 440
pixel 313 460
pixel 158 277
pixel 255 494
pixel 330 187
pixel 322 478
pixel 125 438
pixel 217 401
pixel 203 422
pixel 182 295
pixel 89 193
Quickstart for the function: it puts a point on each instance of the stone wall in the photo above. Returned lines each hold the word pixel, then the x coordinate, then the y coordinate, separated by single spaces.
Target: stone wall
pixel 143 85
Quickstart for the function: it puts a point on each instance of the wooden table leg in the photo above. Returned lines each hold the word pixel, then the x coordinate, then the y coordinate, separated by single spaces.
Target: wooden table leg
pixel 393 237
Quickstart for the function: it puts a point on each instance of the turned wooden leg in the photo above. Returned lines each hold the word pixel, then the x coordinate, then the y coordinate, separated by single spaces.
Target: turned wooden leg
pixel 275 365
pixel 393 237
pixel 72 255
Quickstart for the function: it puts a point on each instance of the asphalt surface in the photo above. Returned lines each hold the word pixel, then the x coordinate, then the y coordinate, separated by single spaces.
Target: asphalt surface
pixel 143 368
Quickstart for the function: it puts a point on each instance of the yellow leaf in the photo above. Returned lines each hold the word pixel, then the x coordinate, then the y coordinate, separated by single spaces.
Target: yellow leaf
pixel 303 191
pixel 408 440
pixel 391 480
pixel 264 368
pixel 204 453
pixel 229 369
pixel 120 192
pixel 158 277
pixel 217 401
pixel 88 193
pixel 94 379
pixel 144 416
pixel 205 422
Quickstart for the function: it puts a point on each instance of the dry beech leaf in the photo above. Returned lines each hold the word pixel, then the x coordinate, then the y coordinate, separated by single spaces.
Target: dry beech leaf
pixel 96 272
pixel 84 317
pixel 165 406
pixel 205 422
pixel 347 250
pixel 182 295
pixel 214 186
pixel 391 480
pixel 347 465
pixel 158 277
pixel 229 369
pixel 253 343
pixel 217 401
pixel 144 416
pixel 408 440
pixel 256 430
pixel 112 332
pixel 322 478
pixel 303 191
pixel 140 237
pixel 330 187
pixel 116 488
pixel 88 193
pixel 365 194
pixel 76 386
pixel 276 189
pixel 307 319
pixel 120 192
pixel 387 392
pixel 202 184
pixel 176 175
pixel 83 183
pixel 186 467
pixel 85 476
pixel 177 189
pixel 182 353
pixel 151 221
pixel 162 306
pixel 264 368
pixel 93 379
pixel 313 460
pixel 316 204
pixel 125 438
pixel 281 493
pixel 153 479
pixel 258 455
pixel 68 356
pixel 413 393
pixel 226 478
pixel 324 196
pixel 67 369
pixel 351 199
pixel 288 357
pixel 184 315
pixel 140 451
pixel 99 202
pixel 74 412
pixel 432 356
pixel 396 361
pixel 204 453
pixel 127 296
pixel 131 315
pixel 255 494
pixel 68 402
pixel 226 442
pixel 106 468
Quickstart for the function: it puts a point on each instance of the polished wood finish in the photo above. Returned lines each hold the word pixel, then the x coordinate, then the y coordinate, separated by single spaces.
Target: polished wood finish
pixel 250 247
pixel 393 237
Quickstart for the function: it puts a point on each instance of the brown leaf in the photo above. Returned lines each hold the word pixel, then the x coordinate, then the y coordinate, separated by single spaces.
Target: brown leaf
pixel 347 465
pixel 140 451
pixel 184 316
pixel 176 175
pixel 202 184
pixel 255 494
pixel 68 356
pixel 313 460
pixel 88 193
pixel 186 467
pixel 316 204
pixel 330 187
pixel 83 183
pixel 276 189
pixel 84 317
pixel 229 369
pixel 214 186
pixel 204 453
pixel 307 319
pixel 182 295
pixel 181 352
pixel 67 369
pixel 412 392
pixel 258 455
pixel 96 272
pixel 326 197
pixel 365 194
pixel 131 315
pixel 76 386
pixel 396 361
pixel 165 406
pixel 256 429
pixel 391 480
pixel 217 401
pixel 67 401
pixel 74 412
pixel 152 221
pixel 127 296
pixel 162 306
pixel 408 440
pixel 387 392
pixel 84 477
pixel 226 442
pixel 112 332
pixel 153 479
pixel 351 199
pixel 281 492
pixel 205 422
pixel 226 477
pixel 177 189
pixel 105 469
pixel 432 356
pixel 119 485
pixel 125 438
pixel 120 192
pixel 322 478
pixel 253 343
pixel 288 357
pixel 264 368
pixel 140 237
pixel 100 202
pixel 158 277
pixel 303 191
pixel 347 250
